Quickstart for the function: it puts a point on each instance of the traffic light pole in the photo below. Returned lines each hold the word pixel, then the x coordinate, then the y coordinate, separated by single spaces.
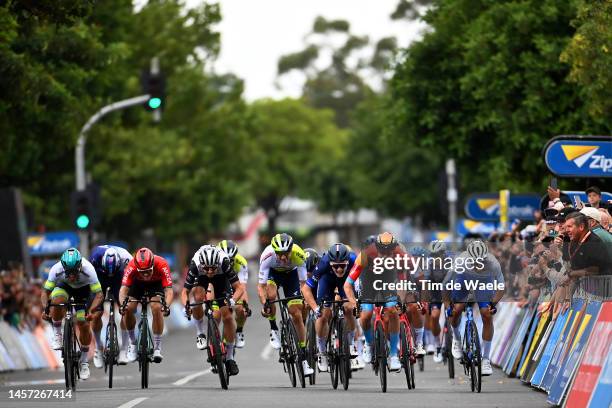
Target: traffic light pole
pixel 79 154
pixel 451 196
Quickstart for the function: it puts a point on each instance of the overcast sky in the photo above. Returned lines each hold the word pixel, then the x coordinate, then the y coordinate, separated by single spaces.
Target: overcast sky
pixel 255 33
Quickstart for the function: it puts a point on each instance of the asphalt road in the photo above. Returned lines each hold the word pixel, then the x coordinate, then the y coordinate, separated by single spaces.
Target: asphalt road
pixel 184 379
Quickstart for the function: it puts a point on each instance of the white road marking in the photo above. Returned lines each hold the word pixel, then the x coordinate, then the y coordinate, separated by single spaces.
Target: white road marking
pixel 37 382
pixel 267 352
pixel 190 377
pixel 133 402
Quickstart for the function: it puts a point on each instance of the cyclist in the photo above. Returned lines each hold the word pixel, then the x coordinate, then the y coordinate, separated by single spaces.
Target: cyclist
pixel 283 263
pixel 146 275
pixel 74 277
pixel 211 266
pixel 329 276
pixel 415 307
pixel 482 268
pixel 240 267
pixel 312 260
pixel 109 262
pixel 435 273
pixel 386 246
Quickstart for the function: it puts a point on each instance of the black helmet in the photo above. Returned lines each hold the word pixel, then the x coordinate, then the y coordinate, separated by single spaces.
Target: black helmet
pixel 386 242
pixel 312 259
pixel 338 253
pixel 369 240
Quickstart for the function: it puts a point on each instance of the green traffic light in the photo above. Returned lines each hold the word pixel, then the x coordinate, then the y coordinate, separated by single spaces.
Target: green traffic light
pixel 154 103
pixel 82 221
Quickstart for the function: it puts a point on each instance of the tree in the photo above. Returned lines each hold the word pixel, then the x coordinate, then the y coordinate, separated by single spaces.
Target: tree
pixel 589 54
pixel 293 145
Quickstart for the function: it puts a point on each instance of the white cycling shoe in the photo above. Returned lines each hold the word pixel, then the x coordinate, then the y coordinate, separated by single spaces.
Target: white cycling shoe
pixel 275 340
pixel 431 349
pixel 457 351
pixel 240 340
pixel 131 353
pixel 157 356
pixel 56 342
pixel 367 354
pixel 84 371
pixel 123 359
pixel 306 368
pixel 394 363
pixel 420 351
pixel 360 363
pixel 98 359
pixel 201 342
pixel 322 363
pixel 437 357
pixel 486 367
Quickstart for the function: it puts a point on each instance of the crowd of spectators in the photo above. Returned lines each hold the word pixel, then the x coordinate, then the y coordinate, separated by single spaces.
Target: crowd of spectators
pixel 20 304
pixel 567 241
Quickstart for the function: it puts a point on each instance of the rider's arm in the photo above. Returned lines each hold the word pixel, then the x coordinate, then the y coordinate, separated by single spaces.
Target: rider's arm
pixel 308 296
pixel 94 285
pixel 185 295
pixel 264 272
pixel 353 276
pixel 238 290
pixel 123 294
pixel 168 295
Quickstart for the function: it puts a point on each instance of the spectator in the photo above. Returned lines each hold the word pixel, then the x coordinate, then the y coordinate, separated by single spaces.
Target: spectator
pixel 585 250
pixel 594 218
pixel 606 220
pixel 594 197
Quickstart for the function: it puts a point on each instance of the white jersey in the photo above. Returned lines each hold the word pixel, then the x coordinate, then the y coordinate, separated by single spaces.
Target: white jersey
pixel 87 276
pixel 269 261
pixel 490 272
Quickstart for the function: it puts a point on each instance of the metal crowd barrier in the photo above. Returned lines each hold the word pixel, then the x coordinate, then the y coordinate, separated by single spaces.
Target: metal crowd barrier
pixel 594 288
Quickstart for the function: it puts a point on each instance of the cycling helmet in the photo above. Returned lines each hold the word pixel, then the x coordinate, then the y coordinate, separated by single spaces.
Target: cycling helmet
pixel 437 246
pixel 386 242
pixel 477 249
pixel 369 240
pixel 229 247
pixel 312 259
pixel 209 256
pixel 282 242
pixel 111 261
pixel 71 261
pixel 418 251
pixel 144 259
pixel 338 253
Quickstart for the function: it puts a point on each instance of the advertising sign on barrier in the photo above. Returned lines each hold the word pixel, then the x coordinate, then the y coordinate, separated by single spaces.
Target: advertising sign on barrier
pixel 576 156
pixel 598 347
pixel 567 335
pixel 518 341
pixel 602 396
pixel 557 330
pixel 528 343
pixel 535 342
pixel 575 348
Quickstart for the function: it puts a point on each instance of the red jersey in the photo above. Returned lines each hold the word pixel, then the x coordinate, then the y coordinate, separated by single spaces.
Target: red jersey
pixel 161 272
pixel 371 252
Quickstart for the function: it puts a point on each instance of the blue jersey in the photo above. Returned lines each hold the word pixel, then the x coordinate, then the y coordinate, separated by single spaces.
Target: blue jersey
pixel 98 253
pixel 323 268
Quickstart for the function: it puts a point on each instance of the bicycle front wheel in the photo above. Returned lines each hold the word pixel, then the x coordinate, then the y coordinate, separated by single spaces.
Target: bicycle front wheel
pixel 143 354
pixel 332 357
pixel 381 356
pixel 448 346
pixel 405 354
pixel 345 355
pixel 113 349
pixel 287 355
pixel 297 352
pixel 67 353
pixel 476 357
pixel 311 348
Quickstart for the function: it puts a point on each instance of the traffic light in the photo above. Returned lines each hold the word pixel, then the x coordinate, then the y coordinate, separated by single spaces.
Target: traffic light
pixel 81 209
pixel 155 86
pixel 84 207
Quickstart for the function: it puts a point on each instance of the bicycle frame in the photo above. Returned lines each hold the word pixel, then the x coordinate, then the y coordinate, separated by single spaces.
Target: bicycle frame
pixel 337 345
pixel 111 349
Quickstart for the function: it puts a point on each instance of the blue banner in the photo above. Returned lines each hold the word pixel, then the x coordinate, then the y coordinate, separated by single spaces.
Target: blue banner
pixel 538 376
pixel 485 206
pixel 568 156
pixel 465 227
pixel 51 243
pixel 570 364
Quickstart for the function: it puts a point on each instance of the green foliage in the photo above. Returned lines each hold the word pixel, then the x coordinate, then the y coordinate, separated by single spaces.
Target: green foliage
pixel 321 25
pixel 590 55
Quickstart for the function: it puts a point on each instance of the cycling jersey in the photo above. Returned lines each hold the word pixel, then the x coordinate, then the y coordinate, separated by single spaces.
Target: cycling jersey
pixel 161 273
pixel 87 277
pixel 324 280
pixel 269 261
pixel 98 252
pixel 241 268
pixel 467 277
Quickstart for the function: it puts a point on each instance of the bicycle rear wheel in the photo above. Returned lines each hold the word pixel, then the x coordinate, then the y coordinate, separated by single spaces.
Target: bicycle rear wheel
pixel 113 348
pixel 143 354
pixel 311 348
pixel 296 352
pixel 332 357
pixel 405 354
pixel 67 353
pixel 381 356
pixel 476 358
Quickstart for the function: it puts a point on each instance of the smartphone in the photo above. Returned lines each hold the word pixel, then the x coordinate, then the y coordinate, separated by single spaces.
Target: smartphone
pixel 553 183
pixel 579 204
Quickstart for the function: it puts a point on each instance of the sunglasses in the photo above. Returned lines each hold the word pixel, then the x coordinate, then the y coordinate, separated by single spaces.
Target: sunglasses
pixel 279 254
pixel 208 268
pixel 145 272
pixel 336 265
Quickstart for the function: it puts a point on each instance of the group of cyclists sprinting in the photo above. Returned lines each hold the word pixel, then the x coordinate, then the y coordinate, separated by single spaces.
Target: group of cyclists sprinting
pixel 309 280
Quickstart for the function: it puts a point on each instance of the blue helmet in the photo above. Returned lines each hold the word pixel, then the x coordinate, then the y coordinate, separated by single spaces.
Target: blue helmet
pixel 111 261
pixel 418 251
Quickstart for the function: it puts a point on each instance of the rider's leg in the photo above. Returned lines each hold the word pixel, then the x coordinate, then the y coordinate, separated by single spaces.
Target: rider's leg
pixel 487 331
pixel 96 328
pixel 434 318
pixel 455 320
pixel 229 331
pixel 197 312
pixel 393 328
pixel 365 319
pixel 130 321
pixel 295 310
pixel 272 294
pixel 158 323
pixel 322 328
pixel 84 334
pixel 416 322
pixel 58 313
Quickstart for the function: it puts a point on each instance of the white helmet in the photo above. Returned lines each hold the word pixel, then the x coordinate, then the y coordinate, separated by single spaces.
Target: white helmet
pixel 436 246
pixel 477 249
pixel 209 256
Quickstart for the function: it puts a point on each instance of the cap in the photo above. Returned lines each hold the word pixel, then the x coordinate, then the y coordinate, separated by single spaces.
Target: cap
pixel 565 212
pixel 593 189
pixel 592 213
